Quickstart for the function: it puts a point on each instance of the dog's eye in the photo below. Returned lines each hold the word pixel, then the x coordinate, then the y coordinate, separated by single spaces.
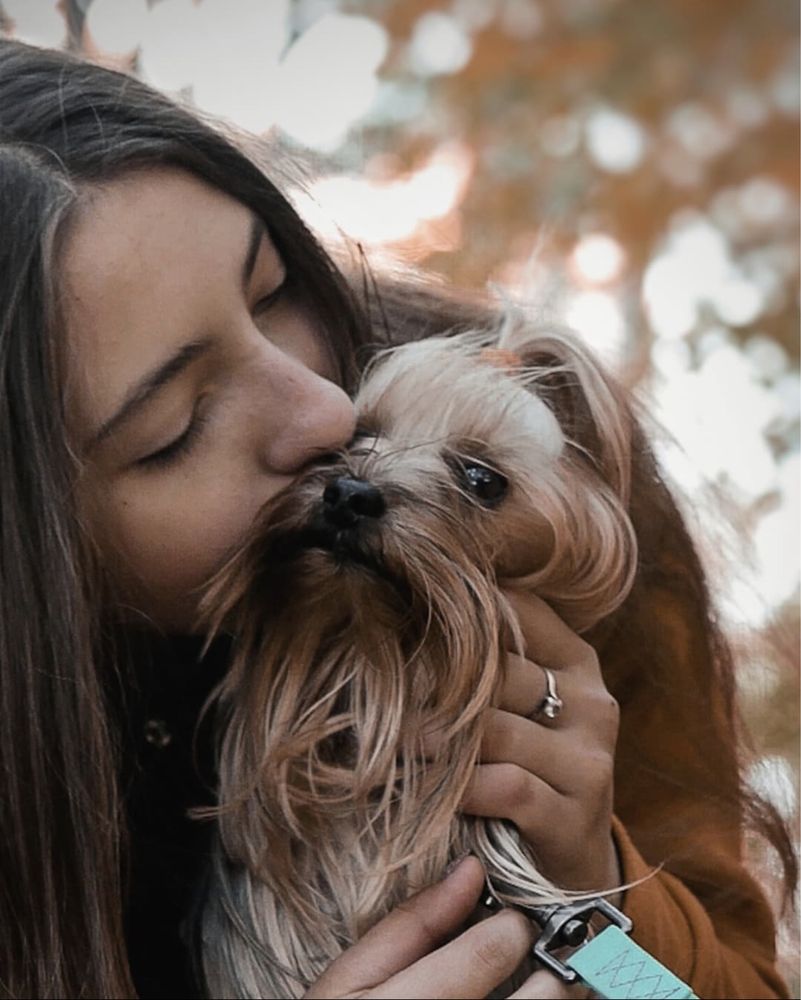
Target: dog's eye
pixel 484 483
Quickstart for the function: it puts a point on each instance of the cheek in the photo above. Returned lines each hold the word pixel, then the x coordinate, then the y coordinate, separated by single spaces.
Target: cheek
pixel 161 548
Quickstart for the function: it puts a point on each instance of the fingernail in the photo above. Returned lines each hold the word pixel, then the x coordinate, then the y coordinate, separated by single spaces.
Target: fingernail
pixel 456 863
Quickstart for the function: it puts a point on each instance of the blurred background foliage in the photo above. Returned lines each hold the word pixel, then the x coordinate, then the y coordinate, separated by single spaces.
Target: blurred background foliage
pixel 629 167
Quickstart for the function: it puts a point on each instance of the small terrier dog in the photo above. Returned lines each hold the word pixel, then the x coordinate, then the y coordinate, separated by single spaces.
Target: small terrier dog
pixel 368 616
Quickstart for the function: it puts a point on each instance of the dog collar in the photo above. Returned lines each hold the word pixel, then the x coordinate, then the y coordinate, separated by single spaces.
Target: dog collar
pixel 614 966
pixel 610 963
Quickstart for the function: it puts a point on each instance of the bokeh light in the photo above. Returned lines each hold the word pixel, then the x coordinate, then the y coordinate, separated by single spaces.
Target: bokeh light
pixel 616 142
pixel 39 23
pixel 390 211
pixel 597 259
pixel 438 45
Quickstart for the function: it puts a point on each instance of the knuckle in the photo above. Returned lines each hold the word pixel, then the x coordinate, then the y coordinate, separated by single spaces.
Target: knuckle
pixel 511 791
pixel 511 743
pixel 600 768
pixel 516 783
pixel 604 706
pixel 587 656
pixel 502 943
pixel 417 926
pixel 612 712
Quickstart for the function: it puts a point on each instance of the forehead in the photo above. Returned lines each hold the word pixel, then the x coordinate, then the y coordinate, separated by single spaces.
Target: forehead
pixel 143 259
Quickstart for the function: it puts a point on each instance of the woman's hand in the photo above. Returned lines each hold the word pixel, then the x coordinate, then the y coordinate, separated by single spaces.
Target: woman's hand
pixel 404 954
pixel 553 778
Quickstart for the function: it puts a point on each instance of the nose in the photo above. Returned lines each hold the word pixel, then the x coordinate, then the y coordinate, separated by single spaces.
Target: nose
pixel 304 415
pixel 346 501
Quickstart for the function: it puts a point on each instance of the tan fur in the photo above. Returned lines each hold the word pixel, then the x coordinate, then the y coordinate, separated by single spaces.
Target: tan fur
pixel 333 806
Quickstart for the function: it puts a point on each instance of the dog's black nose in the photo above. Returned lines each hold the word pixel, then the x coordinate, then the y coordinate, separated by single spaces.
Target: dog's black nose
pixel 346 501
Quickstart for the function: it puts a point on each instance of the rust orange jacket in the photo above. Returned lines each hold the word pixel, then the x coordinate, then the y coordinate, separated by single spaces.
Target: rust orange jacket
pixel 723 946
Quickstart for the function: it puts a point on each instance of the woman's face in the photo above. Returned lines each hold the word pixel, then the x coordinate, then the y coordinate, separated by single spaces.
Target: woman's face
pixel 199 383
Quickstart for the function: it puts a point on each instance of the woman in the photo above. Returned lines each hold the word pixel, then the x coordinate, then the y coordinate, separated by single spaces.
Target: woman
pixel 174 348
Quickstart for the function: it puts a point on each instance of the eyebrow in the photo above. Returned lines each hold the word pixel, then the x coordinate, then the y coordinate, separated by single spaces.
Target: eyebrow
pixel 147 387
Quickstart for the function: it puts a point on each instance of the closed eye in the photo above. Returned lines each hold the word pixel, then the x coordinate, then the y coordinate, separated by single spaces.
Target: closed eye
pixel 273 297
pixel 179 446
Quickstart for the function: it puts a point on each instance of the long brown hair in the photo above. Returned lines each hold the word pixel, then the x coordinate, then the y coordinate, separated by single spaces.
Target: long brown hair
pixel 65 124
pixel 58 798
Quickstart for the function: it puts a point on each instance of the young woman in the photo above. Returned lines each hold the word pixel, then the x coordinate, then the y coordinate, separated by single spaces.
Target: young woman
pixel 174 347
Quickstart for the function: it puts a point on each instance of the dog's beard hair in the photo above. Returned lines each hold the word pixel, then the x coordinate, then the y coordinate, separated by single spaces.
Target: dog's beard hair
pixel 333 807
pixel 334 830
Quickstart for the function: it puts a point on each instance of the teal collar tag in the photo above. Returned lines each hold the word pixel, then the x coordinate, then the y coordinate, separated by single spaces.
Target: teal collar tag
pixel 616 967
pixel 611 964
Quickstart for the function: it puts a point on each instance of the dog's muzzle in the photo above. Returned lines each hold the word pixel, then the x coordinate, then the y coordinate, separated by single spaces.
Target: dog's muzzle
pixel 342 521
pixel 347 501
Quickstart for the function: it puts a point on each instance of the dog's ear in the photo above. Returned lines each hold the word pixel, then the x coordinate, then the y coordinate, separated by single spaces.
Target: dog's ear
pixel 592 409
pixel 593 561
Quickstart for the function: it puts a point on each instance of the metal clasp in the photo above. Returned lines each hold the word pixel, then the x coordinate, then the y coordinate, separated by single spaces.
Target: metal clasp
pixel 563 925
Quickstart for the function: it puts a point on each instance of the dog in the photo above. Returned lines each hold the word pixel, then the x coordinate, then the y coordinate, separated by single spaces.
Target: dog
pixel 368 616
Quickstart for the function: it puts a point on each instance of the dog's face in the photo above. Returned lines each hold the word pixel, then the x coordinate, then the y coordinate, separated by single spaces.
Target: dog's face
pixel 458 459
pixel 449 449
pixel 448 433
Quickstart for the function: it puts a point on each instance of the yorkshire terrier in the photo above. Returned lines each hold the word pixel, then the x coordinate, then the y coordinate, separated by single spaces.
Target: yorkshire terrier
pixel 368 614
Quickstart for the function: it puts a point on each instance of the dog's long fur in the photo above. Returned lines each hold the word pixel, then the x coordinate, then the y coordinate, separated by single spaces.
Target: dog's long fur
pixel 352 713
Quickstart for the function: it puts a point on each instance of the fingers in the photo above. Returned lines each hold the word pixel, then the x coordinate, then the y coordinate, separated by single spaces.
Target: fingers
pixel 588 705
pixel 523 687
pixel 562 829
pixel 471 965
pixel 395 958
pixel 545 634
pixel 543 751
pixel 545 986
pixel 507 791
pixel 511 738
pixel 405 935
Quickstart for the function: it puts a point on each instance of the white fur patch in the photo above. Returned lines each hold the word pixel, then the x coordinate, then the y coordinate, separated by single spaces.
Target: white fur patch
pixel 438 390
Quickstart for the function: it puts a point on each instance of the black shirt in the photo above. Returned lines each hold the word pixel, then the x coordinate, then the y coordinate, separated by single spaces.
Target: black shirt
pixel 167 770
